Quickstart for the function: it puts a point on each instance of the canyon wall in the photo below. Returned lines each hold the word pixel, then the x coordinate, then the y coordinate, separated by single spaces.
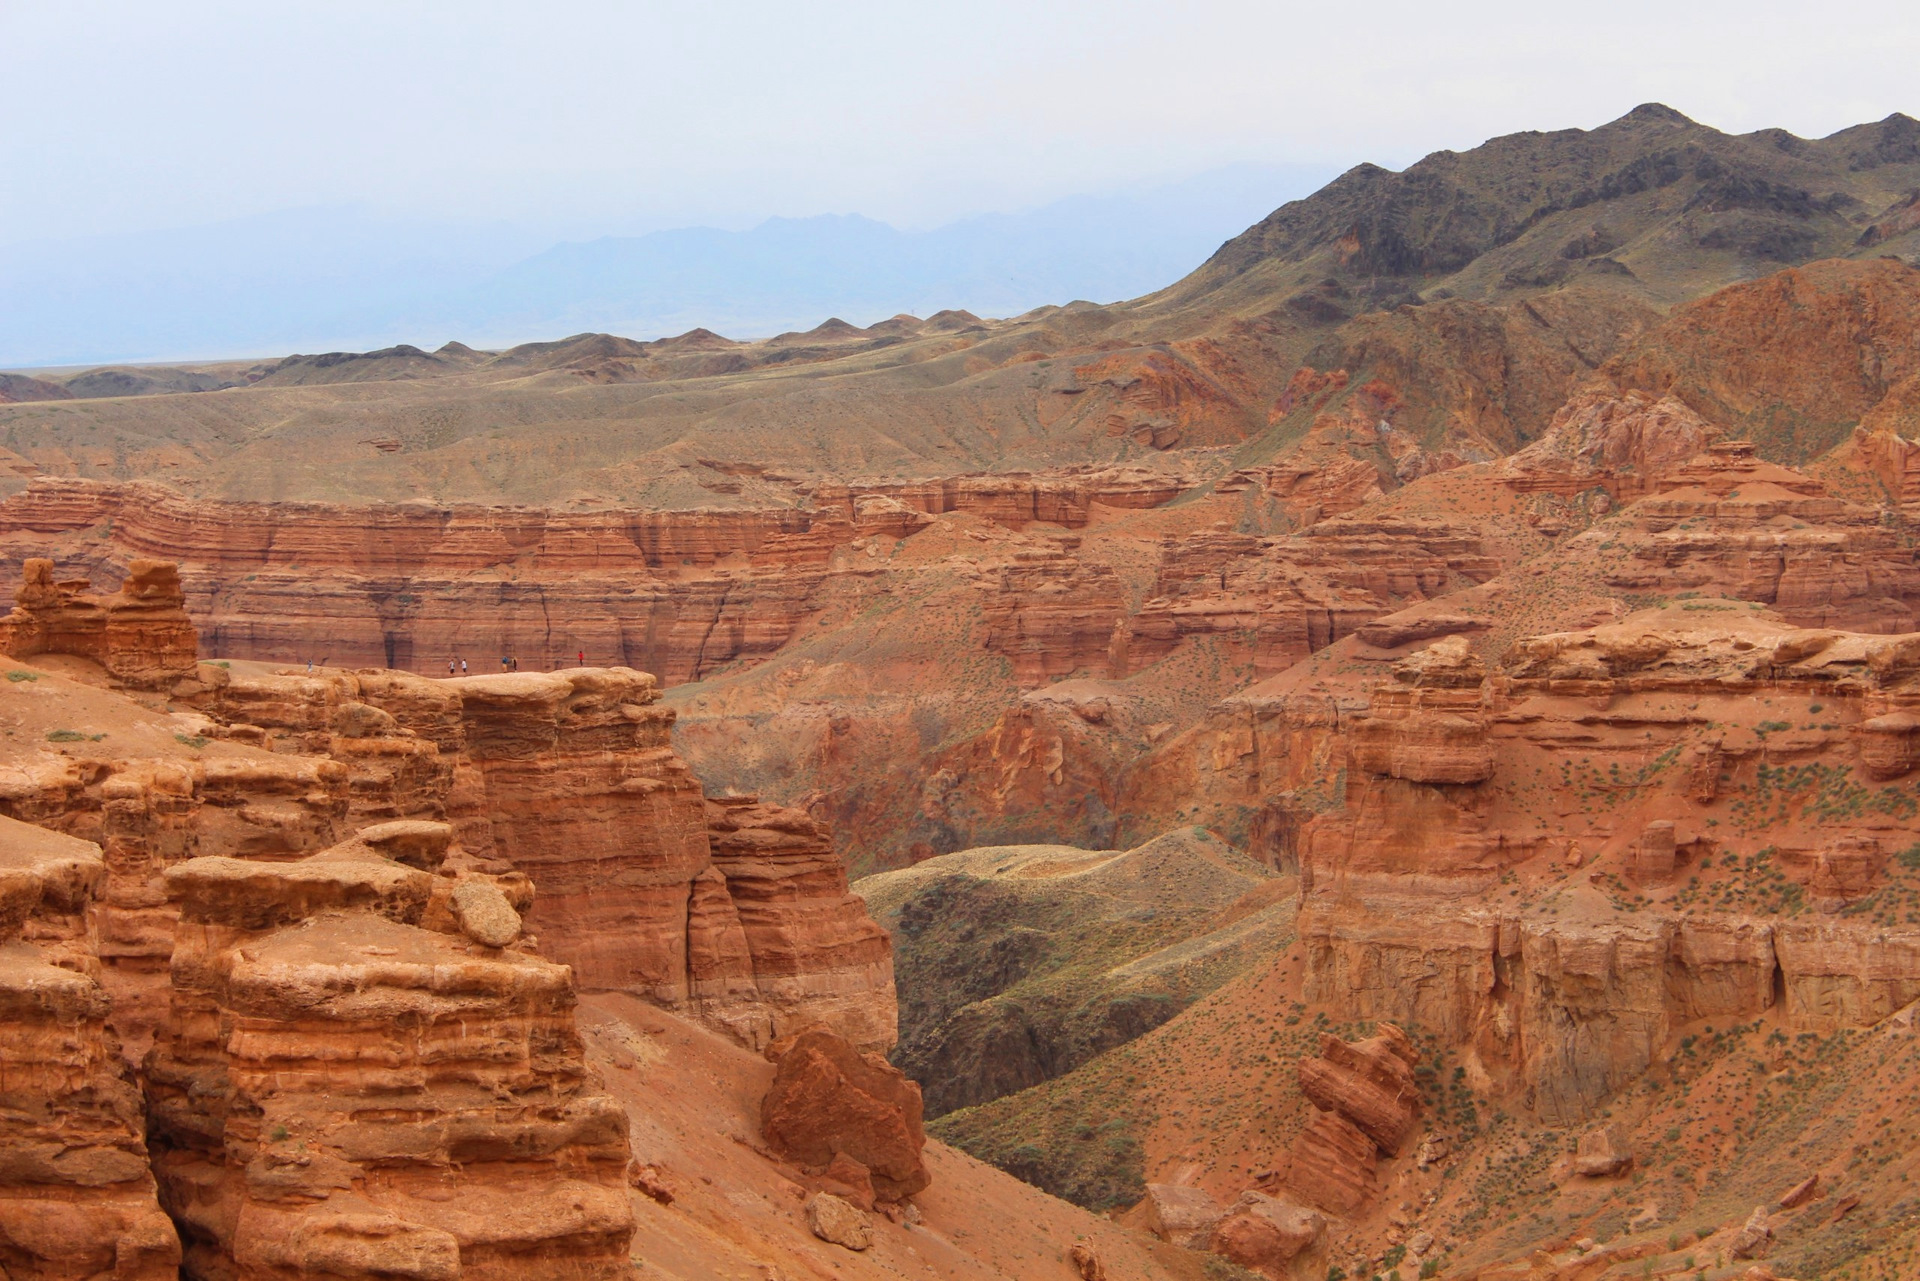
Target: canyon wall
pixel 363 1075
pixel 405 586
pixel 77 1199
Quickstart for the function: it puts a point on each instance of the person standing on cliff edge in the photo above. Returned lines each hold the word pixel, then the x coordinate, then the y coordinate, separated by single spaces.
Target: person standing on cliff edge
pixel 583 658
pixel 463 667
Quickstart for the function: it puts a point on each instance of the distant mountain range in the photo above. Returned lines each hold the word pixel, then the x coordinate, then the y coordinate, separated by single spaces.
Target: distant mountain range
pixel 325 279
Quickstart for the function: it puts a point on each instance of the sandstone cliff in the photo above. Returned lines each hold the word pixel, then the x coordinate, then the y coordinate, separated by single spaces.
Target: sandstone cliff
pixel 342 1088
pixel 77 1199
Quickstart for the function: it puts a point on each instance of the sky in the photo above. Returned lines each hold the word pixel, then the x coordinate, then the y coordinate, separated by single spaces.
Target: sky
pixel 579 118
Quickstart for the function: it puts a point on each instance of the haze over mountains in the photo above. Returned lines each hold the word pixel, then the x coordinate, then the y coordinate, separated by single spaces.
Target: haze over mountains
pixel 349 277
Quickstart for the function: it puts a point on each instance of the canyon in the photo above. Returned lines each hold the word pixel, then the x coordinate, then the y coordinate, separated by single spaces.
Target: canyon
pixel 1398 752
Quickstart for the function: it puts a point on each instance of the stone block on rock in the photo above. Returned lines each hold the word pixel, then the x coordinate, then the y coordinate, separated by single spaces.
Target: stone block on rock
pixel 483 912
pixel 1753 1237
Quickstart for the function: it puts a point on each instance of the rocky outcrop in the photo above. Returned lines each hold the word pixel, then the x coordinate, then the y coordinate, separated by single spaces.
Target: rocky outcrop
pixel 813 956
pixel 77 1200
pixel 1182 1215
pixel 1726 523
pixel 1622 445
pixel 577 786
pixel 147 813
pixel 344 1088
pixel 1367 1100
pixel 1279 1241
pixel 731 909
pixel 1279 600
pixel 1067 497
pixel 1667 796
pixel 1052 614
pixel 845 1115
pixel 140 635
pixel 1428 725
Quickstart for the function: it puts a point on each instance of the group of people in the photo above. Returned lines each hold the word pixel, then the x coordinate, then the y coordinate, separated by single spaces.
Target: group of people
pixel 508 663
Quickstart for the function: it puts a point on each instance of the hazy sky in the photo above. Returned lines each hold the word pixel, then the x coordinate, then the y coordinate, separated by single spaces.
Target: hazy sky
pixel 588 117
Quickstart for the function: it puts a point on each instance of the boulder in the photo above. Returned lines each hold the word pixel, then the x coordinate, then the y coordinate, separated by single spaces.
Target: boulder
pixel 1753 1237
pixel 843 1224
pixel 1182 1215
pixel 1800 1193
pixel 1085 1263
pixel 1279 1241
pixel 830 1101
pixel 1603 1151
pixel 1369 1082
pixel 483 912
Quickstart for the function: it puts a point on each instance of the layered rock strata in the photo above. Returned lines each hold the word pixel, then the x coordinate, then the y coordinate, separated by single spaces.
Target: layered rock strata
pixel 355 1081
pixel 1282 599
pixel 1696 810
pixel 1366 1100
pixel 813 956
pixel 77 1200
pixel 677 593
pixel 731 909
pixel 140 635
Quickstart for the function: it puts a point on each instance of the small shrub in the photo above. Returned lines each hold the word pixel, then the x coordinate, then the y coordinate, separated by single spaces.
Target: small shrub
pixel 195 741
pixel 16 677
pixel 72 736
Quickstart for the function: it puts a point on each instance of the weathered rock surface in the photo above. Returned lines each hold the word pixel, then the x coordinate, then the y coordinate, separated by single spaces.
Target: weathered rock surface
pixel 1281 1242
pixel 140 635
pixel 1181 1215
pixel 730 908
pixel 77 1200
pixel 829 1101
pixel 1603 1151
pixel 843 1224
pixel 1368 1101
pixel 813 953
pixel 341 1090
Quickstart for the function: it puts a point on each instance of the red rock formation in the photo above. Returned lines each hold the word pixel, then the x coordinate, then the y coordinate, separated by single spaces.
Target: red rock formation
pixel 76 1197
pixel 733 909
pixel 677 593
pixel 1368 1082
pixel 140 635
pixel 1368 1101
pixel 1715 526
pixel 1575 994
pixel 1285 598
pixel 190 795
pixel 341 1090
pixel 813 954
pixel 830 1103
pixel 1054 614
pixel 1623 445
pixel 1279 1241
pixel 1429 724
pixel 1066 497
